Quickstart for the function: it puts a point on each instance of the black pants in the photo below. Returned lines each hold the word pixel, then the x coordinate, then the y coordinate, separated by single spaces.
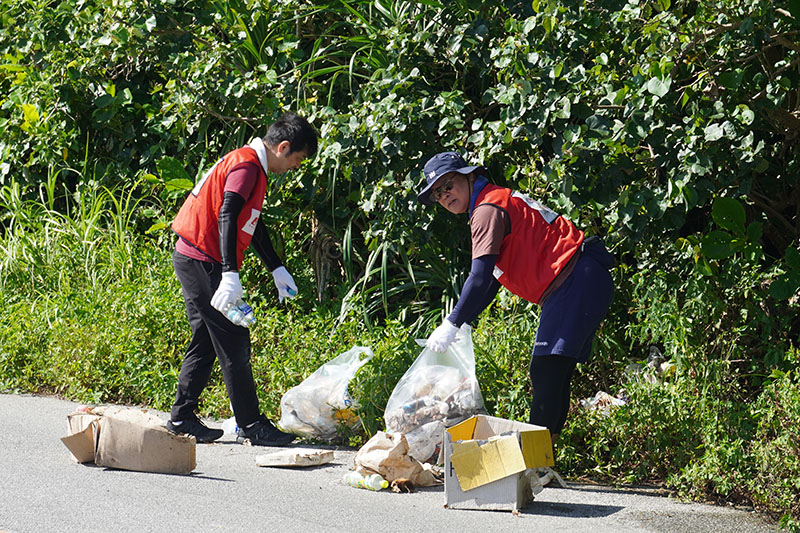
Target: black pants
pixel 550 377
pixel 213 337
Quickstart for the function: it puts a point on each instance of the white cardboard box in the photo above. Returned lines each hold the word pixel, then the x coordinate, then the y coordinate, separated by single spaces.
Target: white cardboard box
pixel 488 461
pixel 128 439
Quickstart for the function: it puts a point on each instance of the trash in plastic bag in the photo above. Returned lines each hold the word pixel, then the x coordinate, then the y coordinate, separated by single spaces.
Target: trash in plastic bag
pixel 321 404
pixel 438 390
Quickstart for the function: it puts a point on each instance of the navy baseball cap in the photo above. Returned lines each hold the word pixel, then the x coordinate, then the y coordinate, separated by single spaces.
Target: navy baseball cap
pixel 439 165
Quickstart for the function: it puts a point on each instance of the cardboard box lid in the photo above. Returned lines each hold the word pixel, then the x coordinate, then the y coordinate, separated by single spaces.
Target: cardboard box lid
pixel 478 464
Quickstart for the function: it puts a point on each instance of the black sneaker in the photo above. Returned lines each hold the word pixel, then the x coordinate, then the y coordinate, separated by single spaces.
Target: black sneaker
pixel 264 433
pixel 195 427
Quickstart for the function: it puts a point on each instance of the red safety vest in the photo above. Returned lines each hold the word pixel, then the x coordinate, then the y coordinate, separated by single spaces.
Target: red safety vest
pixel 539 246
pixel 198 219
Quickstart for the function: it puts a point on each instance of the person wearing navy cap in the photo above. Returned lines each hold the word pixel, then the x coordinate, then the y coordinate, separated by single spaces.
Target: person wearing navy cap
pixel 538 255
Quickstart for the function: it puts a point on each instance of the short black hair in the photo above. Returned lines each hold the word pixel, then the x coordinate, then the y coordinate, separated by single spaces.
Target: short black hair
pixel 293 128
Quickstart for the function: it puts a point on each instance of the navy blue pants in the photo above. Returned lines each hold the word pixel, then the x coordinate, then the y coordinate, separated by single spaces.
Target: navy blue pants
pixel 567 325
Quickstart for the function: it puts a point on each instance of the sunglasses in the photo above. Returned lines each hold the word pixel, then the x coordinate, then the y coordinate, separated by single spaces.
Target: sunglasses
pixel 443 189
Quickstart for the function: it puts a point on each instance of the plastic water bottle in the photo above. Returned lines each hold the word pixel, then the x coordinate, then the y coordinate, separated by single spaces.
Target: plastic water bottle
pixel 370 482
pixel 240 314
pixel 230 427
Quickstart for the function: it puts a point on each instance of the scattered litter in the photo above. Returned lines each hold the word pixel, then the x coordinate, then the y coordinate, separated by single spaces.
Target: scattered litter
pixel 654 370
pixel 545 477
pixel 369 482
pixel 387 454
pixel 230 427
pixel 402 485
pixel 295 457
pixel 602 402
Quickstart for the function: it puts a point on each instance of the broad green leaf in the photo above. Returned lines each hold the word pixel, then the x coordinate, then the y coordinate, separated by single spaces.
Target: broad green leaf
pixel 783 287
pixel 658 86
pixel 703 266
pixel 171 169
pixel 178 185
pixel 30 113
pixel 731 80
pixel 713 132
pixel 716 245
pixel 549 24
pixel 754 231
pixel 729 214
pixel 793 257
pixel 104 101
pixel 158 226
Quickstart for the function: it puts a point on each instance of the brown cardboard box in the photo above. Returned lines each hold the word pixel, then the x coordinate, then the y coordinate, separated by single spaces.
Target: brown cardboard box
pixel 128 439
pixel 488 462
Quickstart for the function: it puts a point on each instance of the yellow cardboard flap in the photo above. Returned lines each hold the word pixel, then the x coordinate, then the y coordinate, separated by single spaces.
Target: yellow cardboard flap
pixel 537 448
pixel 477 465
pixel 463 430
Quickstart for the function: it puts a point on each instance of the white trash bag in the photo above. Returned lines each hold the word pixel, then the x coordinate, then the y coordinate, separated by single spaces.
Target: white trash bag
pixel 437 391
pixel 321 404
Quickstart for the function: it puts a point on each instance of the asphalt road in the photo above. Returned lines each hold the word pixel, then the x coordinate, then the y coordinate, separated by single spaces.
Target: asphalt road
pixel 43 489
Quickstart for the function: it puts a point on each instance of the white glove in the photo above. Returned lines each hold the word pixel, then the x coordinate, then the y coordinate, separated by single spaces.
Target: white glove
pixel 442 336
pixel 285 283
pixel 229 290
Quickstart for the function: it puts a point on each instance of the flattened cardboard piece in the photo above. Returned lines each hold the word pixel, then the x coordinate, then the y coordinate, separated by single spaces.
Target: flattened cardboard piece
pixel 133 440
pixel 482 465
pixel 478 464
pixel 295 457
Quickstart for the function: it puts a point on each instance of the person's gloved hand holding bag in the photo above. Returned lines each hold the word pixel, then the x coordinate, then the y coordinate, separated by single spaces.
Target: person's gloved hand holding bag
pixel 229 290
pixel 285 283
pixel 442 336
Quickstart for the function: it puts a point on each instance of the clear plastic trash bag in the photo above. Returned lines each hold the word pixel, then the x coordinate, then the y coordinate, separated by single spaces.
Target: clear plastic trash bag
pixel 437 391
pixel 321 404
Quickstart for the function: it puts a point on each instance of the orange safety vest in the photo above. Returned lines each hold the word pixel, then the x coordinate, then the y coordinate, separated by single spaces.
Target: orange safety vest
pixel 539 246
pixel 198 219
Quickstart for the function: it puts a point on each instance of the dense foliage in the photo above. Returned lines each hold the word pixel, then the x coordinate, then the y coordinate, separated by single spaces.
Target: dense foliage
pixel 668 127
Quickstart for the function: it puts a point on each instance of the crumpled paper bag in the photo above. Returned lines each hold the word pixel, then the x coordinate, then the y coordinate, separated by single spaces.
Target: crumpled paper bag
pixel 387 454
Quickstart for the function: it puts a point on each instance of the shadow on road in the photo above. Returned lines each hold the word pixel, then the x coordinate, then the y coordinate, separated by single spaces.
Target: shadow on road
pixel 657 492
pixel 571 510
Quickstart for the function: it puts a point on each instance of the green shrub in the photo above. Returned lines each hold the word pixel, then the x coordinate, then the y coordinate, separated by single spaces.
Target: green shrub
pixel 775 449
